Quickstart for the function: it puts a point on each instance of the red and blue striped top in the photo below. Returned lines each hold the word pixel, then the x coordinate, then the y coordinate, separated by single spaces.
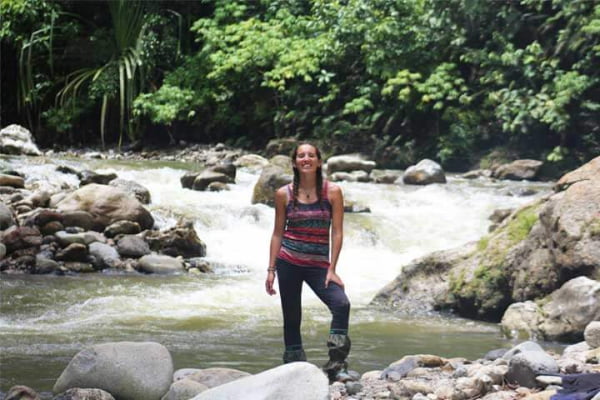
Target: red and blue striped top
pixel 305 240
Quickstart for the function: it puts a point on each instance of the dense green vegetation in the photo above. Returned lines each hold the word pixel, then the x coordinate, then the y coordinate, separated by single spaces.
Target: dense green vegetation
pixel 396 79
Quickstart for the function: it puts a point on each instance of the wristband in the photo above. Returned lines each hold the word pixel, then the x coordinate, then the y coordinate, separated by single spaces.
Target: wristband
pixel 271 269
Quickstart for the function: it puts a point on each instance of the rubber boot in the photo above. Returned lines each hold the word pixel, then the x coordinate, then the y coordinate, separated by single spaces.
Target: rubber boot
pixel 294 354
pixel 337 367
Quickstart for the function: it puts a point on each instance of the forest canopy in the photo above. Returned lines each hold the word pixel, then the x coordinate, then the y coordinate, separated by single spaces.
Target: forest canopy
pixel 398 80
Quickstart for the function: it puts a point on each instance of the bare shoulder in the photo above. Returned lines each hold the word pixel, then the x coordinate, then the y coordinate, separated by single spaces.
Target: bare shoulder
pixel 281 194
pixel 334 190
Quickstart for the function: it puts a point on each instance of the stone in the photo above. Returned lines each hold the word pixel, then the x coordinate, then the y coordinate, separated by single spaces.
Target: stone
pixel 2 251
pixel 51 228
pixel 424 173
pixel 349 163
pixel 21 237
pixel 106 256
pixel 15 139
pixel 187 180
pixel 66 238
pixel 400 368
pixel 122 227
pixel 79 267
pixel 45 265
pixel 518 170
pixel 388 176
pixel 84 394
pixel 588 171
pixel 184 389
pixel 225 168
pixel 140 192
pixel 251 162
pixel 181 240
pixel 202 181
pixel 293 381
pixel 127 370
pixel 160 264
pixel 21 392
pixel 525 366
pixel 217 187
pixel 6 217
pixel 12 181
pixel 521 320
pixel 132 246
pixel 86 177
pixel 591 334
pixel 283 146
pixel 353 388
pixel 107 204
pixel 212 377
pixel 73 252
pixel 521 347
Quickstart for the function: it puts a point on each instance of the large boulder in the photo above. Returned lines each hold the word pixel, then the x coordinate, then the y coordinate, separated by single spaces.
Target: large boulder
pixel 349 163
pixel 283 146
pixel 14 139
pixel 107 204
pixel 14 181
pixel 272 178
pixel 252 162
pixel 212 377
pixel 203 180
pixel 140 192
pixel 518 170
pixel 181 240
pixel 160 264
pixel 586 172
pixel 424 173
pixel 293 381
pixel 127 370
pixel 525 366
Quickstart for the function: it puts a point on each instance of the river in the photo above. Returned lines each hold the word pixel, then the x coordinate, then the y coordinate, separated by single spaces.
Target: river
pixel 225 318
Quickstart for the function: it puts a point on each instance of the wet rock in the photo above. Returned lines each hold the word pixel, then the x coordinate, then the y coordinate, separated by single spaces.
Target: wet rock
pixel 400 369
pixel 227 169
pixel 86 177
pixel 21 392
pixel 160 264
pixel 217 187
pixel 2 250
pixel 23 237
pixel 424 173
pixel 40 217
pixel 132 246
pixel 354 176
pixel 521 320
pixel 45 265
pixel 73 252
pixel 140 192
pixel 12 181
pixel 122 228
pixel 15 139
pixel 388 176
pixel 127 370
pixel 51 228
pixel 283 146
pixel 521 347
pixel 349 163
pixel 78 218
pixel 212 377
pixel 271 178
pixel 252 162
pixel 525 366
pixel 518 170
pixel 79 267
pixel 66 238
pixel 200 264
pixel 187 180
pixel 84 394
pixel 6 217
pixel 477 173
pixel 298 380
pixel 180 240
pixel 592 334
pixel 202 181
pixel 106 256
pixel 107 204
pixel 65 169
pixel 184 389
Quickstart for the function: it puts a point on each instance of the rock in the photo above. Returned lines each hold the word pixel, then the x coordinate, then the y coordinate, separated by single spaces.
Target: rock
pixel 107 204
pixel 106 256
pixel 293 381
pixel 349 163
pixel 592 334
pixel 84 394
pixel 180 240
pixel 589 171
pixel 217 187
pixel 184 389
pixel 160 264
pixel 21 392
pixel 45 265
pixel 477 173
pixel 202 181
pixel 187 180
pixel 127 370
pixel 122 228
pixel 132 246
pixel 252 162
pixel 494 354
pixel 200 264
pixel 525 366
pixel 12 181
pixel 6 217
pixel 271 179
pixel 400 369
pixel 351 206
pixel 133 188
pixel 388 176
pixel 354 176
pixel 570 309
pixel 79 267
pixel 283 146
pixel 227 169
pixel 21 237
pixel 424 173
pixel 73 252
pixel 212 377
pixel 521 347
pixel 518 170
pixel 353 388
pixel 2 251
pixel 15 139
pixel 88 177
pixel 521 320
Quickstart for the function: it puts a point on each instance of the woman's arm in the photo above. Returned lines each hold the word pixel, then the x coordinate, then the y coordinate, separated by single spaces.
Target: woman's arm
pixel 280 205
pixel 336 198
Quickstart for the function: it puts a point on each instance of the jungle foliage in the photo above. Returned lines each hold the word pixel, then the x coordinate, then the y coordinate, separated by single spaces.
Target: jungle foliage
pixel 396 79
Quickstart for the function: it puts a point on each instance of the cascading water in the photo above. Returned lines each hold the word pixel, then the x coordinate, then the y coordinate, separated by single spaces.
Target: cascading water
pixel 226 318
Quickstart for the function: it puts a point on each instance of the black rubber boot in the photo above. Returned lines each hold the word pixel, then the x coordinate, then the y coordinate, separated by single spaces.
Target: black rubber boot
pixel 339 348
pixel 294 355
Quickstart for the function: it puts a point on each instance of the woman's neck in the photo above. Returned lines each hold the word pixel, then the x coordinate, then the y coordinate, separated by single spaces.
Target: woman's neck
pixel 307 182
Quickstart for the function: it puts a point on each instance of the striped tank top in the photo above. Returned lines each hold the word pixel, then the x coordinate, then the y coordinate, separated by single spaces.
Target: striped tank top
pixel 305 240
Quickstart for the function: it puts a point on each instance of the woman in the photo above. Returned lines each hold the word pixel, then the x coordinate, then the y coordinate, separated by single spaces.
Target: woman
pixel 307 212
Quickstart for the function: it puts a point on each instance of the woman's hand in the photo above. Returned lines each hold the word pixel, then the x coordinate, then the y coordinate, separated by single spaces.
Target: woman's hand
pixel 269 283
pixel 333 277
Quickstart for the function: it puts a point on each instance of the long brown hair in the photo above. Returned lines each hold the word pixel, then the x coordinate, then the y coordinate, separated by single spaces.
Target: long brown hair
pixel 296 182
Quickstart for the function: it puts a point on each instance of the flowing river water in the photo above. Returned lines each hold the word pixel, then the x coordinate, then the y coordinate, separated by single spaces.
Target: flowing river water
pixel 225 318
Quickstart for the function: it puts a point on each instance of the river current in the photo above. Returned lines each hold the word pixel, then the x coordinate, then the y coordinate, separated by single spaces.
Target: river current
pixel 225 318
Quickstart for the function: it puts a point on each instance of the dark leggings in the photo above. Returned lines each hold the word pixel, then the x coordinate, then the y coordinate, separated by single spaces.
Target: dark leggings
pixel 290 278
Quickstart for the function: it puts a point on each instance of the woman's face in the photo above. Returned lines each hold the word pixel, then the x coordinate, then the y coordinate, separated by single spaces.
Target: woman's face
pixel 307 159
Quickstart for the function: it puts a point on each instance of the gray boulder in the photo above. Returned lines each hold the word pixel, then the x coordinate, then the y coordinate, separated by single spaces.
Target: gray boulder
pixel 127 370
pixel 12 181
pixel 293 381
pixel 518 170
pixel 271 178
pixel 6 217
pixel 134 188
pixel 212 377
pixel 107 204
pixel 283 146
pixel 181 240
pixel 592 334
pixel 122 227
pixel 106 256
pixel 160 264
pixel 349 163
pixel 520 348
pixel 132 246
pixel 86 177
pixel 15 139
pixel 202 181
pixel 184 389
pixel 252 162
pixel 424 173
pixel 525 366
